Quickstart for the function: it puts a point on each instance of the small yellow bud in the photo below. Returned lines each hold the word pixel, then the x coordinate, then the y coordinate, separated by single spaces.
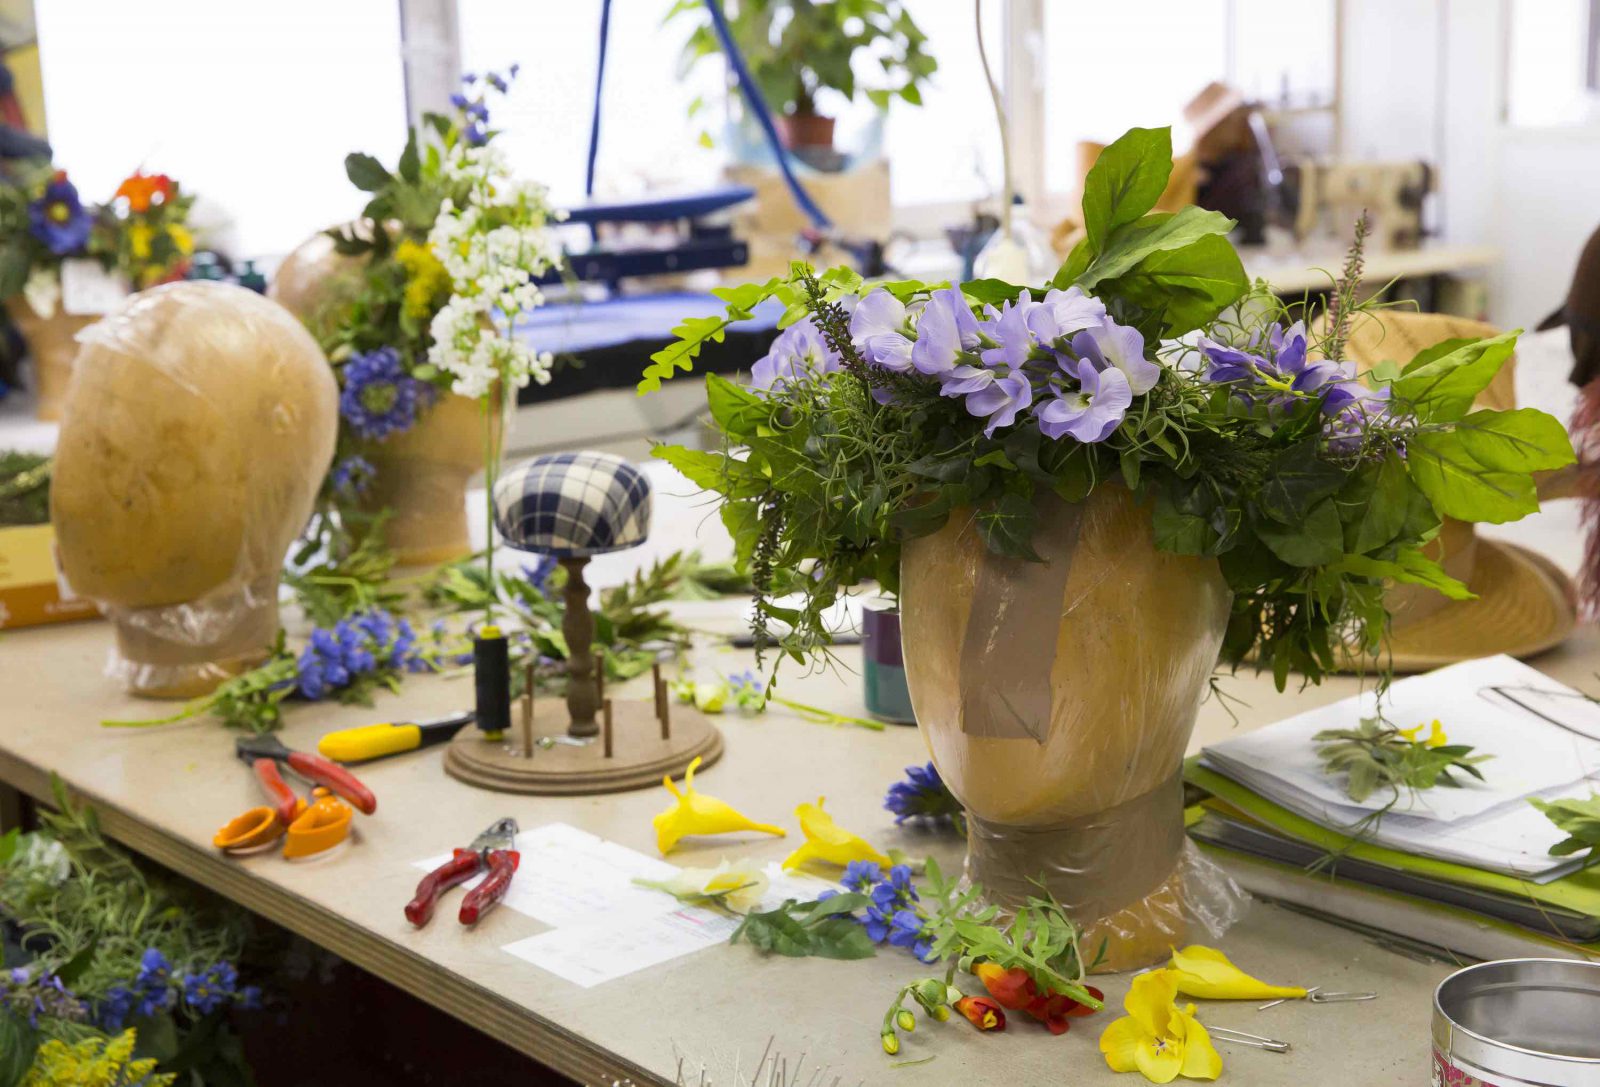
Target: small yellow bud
pixel 940 1014
pixel 891 1043
pixel 906 1020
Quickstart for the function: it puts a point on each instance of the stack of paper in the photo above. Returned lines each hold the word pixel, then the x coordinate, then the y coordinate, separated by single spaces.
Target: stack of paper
pixel 1480 849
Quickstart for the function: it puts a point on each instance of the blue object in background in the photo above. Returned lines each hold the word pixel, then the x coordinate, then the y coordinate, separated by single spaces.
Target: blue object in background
pixel 884 672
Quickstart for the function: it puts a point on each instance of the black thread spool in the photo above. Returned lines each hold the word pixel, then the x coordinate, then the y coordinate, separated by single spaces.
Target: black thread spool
pixel 491 668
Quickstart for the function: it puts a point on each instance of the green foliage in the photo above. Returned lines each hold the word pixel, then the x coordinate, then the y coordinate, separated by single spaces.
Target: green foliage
pixel 18 1044
pixel 1580 821
pixel 800 929
pixel 1376 755
pixel 24 488
pixel 336 572
pixel 795 48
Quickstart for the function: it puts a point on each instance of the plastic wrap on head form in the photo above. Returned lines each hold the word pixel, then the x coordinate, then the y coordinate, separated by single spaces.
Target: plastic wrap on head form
pixel 197 429
pixel 1057 699
pixel 315 281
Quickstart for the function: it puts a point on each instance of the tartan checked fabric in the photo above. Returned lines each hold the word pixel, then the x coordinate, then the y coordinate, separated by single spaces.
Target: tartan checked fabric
pixel 573 504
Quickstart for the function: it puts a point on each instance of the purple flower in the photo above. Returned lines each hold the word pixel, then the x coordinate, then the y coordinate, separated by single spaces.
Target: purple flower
pixel 1351 407
pixel 923 795
pixel 58 218
pixel 877 924
pixel 905 928
pixel 351 477
pixel 1109 344
pixel 1276 369
pixel 379 397
pixel 859 875
pixel 999 399
pixel 1091 412
pixel 946 331
pixel 1012 333
pixel 878 329
pixel 798 353
pixel 1060 314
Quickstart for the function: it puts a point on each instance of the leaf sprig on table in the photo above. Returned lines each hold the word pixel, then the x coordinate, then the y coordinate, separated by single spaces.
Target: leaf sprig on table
pixel 1377 755
pixel 1580 820
pixel 822 928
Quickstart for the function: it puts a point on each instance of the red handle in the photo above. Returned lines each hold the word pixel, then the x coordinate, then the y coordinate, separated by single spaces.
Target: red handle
pixel 284 802
pixel 482 898
pixel 458 869
pixel 320 770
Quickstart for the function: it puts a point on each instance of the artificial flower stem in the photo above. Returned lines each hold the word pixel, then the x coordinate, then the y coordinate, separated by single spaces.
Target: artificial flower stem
pixel 826 717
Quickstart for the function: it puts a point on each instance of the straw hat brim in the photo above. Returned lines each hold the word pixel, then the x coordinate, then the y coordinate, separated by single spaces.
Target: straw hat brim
pixel 1525 606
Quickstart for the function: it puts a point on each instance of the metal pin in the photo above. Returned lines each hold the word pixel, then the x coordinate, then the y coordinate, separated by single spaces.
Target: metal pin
pixel 606 728
pixel 1340 998
pixel 768 1047
pixel 1255 1041
pixel 799 1066
pixel 1285 999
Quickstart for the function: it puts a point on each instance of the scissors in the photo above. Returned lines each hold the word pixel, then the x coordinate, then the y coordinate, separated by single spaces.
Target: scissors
pixel 495 852
pixel 310 828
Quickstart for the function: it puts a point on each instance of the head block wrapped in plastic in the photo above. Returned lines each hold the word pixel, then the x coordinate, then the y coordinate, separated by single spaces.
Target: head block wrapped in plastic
pixel 197 429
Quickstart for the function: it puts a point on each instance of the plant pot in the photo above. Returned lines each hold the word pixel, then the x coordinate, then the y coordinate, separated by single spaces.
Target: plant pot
pixel 421 477
pixel 883 671
pixel 805 130
pixel 1057 699
pixel 52 343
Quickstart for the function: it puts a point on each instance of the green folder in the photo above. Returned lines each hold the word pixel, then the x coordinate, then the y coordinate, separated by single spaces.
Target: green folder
pixel 1578 892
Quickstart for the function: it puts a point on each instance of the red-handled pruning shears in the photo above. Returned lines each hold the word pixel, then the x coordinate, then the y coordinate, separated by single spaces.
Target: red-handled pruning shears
pixel 263 754
pixel 495 852
pixel 310 829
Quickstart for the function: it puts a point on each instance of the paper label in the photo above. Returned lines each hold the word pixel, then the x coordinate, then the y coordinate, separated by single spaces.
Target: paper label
pixel 88 290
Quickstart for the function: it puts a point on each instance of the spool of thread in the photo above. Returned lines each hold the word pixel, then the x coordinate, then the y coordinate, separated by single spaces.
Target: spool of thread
pixel 491 669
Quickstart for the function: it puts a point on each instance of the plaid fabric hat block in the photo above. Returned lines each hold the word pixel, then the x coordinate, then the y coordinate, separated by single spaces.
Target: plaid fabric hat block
pixel 573 504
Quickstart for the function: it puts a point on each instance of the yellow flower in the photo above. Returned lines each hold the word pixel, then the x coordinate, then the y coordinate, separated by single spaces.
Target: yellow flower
pixel 1207 973
pixel 1157 1038
pixel 427 283
pixel 696 813
pixel 827 841
pixel 139 235
pixel 94 1062
pixel 182 240
pixel 737 887
pixel 1436 736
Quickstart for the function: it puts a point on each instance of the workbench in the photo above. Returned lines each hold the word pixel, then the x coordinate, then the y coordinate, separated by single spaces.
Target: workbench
pixel 164 791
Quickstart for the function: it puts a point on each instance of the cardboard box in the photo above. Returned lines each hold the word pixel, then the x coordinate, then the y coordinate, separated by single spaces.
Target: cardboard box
pixel 32 588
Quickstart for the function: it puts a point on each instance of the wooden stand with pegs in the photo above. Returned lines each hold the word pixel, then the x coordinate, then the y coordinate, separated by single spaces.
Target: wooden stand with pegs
pixel 605 731
pixel 663 703
pixel 527 711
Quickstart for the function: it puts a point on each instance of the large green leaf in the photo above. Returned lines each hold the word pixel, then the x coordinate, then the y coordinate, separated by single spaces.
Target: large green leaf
pixel 1316 541
pixel 1007 526
pixel 1133 242
pixel 1441 387
pixel 1125 182
pixel 1192 285
pixel 18 1043
pixel 727 475
pixel 1383 514
pixel 1461 487
pixel 1524 440
pixel 1410 566
pixel 738 412
pixel 365 172
pixel 1300 479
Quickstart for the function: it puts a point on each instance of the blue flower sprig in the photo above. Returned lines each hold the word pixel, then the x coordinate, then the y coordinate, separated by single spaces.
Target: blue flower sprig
pixel 158 988
pixel 895 915
pixel 925 798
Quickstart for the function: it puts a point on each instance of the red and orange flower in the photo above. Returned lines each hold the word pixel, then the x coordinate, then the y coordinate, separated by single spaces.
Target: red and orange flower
pixel 142 190
pixel 982 1012
pixel 1014 990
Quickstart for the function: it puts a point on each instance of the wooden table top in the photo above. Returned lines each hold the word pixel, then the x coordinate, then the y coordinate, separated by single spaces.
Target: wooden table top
pixel 164 792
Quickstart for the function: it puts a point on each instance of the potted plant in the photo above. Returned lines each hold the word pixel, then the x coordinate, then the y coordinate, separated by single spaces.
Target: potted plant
pixel 797 49
pixel 1083 514
pixel 371 291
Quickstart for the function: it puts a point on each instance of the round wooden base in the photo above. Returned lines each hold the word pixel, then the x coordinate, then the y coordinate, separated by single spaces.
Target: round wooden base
pixel 639 756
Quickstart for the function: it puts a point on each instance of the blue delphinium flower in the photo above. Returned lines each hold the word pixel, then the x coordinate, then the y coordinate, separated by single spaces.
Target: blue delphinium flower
pixel 379 397
pixel 115 1008
pixel 798 353
pixel 893 914
pixel 351 477
pixel 58 218
pixel 213 988
pixel 860 875
pixel 923 795
pixel 354 647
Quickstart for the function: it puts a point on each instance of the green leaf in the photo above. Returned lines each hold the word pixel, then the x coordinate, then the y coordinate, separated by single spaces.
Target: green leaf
pixel 743 522
pixel 841 938
pixel 1316 541
pixel 728 476
pixel 1411 567
pixel 1007 526
pixel 992 291
pixel 1384 512
pixel 1073 267
pixel 1189 285
pixel 1458 486
pixel 8 845
pixel 365 172
pixel 1125 182
pixel 75 966
pixel 738 411
pixel 1128 461
pixel 1441 387
pixel 410 166
pixel 1300 479
pixel 18 1044
pixel 1580 819
pixel 1131 244
pixel 692 334
pixel 1523 440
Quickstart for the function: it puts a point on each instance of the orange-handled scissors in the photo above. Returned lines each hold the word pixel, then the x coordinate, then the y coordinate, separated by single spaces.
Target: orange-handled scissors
pixel 311 829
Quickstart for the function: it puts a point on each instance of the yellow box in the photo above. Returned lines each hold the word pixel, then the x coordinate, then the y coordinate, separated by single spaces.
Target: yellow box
pixel 32 588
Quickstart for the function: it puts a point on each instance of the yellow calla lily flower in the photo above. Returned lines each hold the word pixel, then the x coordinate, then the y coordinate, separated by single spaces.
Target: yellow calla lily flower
pixel 1157 1038
pixel 738 887
pixel 1206 973
pixel 695 813
pixel 1436 735
pixel 827 841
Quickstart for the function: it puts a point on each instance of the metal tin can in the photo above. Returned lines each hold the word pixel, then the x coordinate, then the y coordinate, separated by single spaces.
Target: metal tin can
pixel 1518 1023
pixel 886 694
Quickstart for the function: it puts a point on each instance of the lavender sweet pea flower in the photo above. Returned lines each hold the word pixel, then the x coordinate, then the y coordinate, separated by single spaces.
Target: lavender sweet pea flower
pixel 1011 332
pixel 1282 370
pixel 1063 313
pixel 1091 412
pixel 1000 399
pixel 1350 407
pixel 878 329
pixel 1108 344
pixel 797 353
pixel 946 330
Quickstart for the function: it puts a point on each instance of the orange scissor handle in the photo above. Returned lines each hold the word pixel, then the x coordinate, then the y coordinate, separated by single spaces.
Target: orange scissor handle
pixel 252 830
pixel 322 826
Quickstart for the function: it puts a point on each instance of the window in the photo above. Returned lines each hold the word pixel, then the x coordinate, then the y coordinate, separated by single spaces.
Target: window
pixel 1550 54
pixel 252 107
